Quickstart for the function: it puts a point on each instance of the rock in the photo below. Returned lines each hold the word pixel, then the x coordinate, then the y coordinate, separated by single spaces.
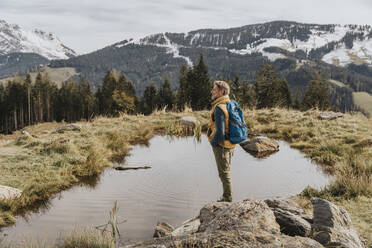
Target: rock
pixel 188 227
pixel 330 115
pixel 291 224
pixel 290 216
pixel 24 136
pixel 162 229
pixel 285 204
pixel 189 121
pixel 248 224
pixel 247 215
pixel 9 193
pixel 332 225
pixel 260 146
pixel 45 132
pixel 69 127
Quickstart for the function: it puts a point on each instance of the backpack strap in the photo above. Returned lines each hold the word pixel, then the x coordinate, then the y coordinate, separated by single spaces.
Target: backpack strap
pixel 223 107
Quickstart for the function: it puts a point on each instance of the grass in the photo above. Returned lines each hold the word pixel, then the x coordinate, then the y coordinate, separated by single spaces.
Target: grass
pixel 53 162
pixel 364 101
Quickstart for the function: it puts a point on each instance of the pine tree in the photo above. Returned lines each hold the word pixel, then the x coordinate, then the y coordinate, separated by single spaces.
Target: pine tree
pixel 149 99
pixel 200 86
pixel 183 97
pixel 165 95
pixel 316 94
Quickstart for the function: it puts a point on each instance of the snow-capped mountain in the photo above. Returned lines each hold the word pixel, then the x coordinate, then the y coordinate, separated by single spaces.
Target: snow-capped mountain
pixel 14 39
pixel 336 44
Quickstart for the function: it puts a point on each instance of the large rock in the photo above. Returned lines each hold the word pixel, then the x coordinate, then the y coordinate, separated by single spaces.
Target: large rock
pixel 247 215
pixel 9 193
pixel 260 146
pixel 162 229
pixel 189 121
pixel 330 115
pixel 332 225
pixel 285 204
pixel 69 127
pixel 249 223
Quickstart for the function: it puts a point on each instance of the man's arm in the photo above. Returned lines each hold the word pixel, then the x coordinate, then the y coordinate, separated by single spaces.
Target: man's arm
pixel 219 136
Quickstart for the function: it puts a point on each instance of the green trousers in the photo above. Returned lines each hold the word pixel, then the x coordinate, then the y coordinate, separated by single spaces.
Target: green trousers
pixel 223 160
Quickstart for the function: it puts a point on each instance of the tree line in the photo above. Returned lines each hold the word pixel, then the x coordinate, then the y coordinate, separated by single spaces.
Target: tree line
pixel 24 103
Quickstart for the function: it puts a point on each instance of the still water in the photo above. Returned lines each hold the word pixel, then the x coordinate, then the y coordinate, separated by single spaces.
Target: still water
pixel 183 178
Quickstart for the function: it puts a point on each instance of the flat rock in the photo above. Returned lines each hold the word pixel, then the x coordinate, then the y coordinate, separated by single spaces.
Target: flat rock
pixel 188 227
pixel 260 146
pixel 9 193
pixel 332 225
pixel 162 229
pixel 189 121
pixel 285 204
pixel 330 115
pixel 69 127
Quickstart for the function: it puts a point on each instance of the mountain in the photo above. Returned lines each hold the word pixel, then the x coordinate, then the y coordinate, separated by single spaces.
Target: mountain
pixel 13 39
pixel 22 50
pixel 343 53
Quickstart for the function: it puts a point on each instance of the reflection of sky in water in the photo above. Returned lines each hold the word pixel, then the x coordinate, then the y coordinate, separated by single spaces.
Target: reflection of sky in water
pixel 183 178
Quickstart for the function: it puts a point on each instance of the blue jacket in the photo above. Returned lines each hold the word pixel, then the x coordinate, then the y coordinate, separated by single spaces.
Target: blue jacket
pixel 219 136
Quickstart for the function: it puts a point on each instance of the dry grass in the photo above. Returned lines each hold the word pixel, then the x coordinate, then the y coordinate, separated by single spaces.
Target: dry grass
pixel 52 162
pixel 364 101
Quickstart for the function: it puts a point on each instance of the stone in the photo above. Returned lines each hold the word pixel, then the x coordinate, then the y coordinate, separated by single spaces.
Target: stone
pixel 247 215
pixel 9 193
pixel 260 146
pixel 330 115
pixel 188 227
pixel 291 224
pixel 332 225
pixel 189 121
pixel 162 229
pixel 23 136
pixel 285 204
pixel 69 127
pixel 45 132
pixel 248 224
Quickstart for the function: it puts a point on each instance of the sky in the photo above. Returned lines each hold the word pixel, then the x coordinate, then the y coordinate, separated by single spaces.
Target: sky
pixel 88 25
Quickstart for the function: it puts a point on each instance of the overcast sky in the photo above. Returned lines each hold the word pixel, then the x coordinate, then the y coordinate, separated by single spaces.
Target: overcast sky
pixel 88 25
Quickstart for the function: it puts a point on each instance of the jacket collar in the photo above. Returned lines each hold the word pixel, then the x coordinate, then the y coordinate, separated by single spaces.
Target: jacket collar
pixel 224 98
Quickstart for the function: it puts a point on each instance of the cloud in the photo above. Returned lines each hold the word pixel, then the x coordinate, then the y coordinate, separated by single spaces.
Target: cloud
pixel 87 25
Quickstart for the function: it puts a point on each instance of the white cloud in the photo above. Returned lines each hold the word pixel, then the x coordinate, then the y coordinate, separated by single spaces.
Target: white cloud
pixel 87 25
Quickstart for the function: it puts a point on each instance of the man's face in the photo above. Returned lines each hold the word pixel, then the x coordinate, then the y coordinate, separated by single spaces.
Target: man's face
pixel 216 92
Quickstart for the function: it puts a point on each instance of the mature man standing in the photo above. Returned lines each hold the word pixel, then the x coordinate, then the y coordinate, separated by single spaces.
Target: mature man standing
pixel 218 127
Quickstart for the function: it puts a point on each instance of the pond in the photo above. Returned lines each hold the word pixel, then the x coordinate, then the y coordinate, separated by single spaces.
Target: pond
pixel 182 179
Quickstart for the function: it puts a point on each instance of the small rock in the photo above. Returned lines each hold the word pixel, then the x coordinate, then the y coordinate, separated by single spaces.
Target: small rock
pixel 188 227
pixel 260 146
pixel 190 121
pixel 163 229
pixel 45 132
pixel 9 193
pixel 24 136
pixel 330 115
pixel 69 127
pixel 332 225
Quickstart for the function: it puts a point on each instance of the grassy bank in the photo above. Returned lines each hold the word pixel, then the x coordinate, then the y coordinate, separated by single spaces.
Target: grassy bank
pixel 51 162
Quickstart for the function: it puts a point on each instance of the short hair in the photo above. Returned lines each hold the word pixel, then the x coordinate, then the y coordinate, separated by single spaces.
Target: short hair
pixel 222 85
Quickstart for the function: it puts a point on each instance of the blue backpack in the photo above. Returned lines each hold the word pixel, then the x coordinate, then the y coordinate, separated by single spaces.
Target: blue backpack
pixel 238 130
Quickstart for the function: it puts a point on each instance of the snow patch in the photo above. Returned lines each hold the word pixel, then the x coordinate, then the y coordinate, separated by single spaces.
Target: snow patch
pixel 362 51
pixel 319 38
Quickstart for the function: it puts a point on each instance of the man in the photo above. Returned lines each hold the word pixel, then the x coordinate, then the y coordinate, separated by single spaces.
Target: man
pixel 218 127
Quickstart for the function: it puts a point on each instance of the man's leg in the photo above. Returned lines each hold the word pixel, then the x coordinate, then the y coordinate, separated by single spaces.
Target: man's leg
pixel 223 160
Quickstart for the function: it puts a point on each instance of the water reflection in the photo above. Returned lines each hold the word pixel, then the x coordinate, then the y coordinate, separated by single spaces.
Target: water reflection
pixel 182 179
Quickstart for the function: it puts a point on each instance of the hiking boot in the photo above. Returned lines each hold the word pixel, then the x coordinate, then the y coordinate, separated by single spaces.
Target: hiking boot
pixel 223 199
